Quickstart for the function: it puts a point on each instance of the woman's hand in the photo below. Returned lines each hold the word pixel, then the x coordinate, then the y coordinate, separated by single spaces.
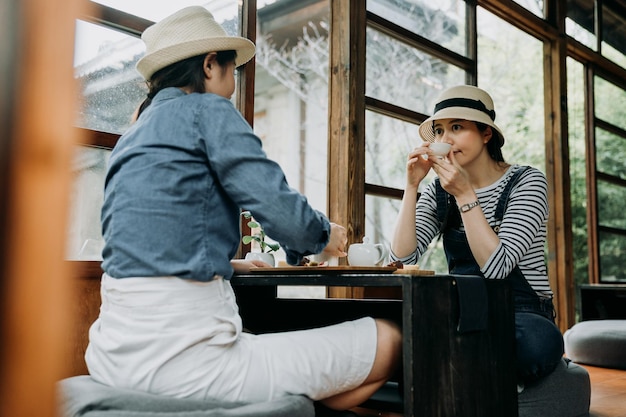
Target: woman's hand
pixel 453 178
pixel 417 166
pixel 337 242
pixel 243 266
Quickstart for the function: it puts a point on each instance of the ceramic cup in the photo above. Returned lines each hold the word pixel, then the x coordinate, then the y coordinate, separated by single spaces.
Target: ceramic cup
pixel 440 149
pixel 367 254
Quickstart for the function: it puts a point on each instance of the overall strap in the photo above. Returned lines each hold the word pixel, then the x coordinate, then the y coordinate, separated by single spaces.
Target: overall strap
pixel 504 197
pixel 446 206
pixel 442 204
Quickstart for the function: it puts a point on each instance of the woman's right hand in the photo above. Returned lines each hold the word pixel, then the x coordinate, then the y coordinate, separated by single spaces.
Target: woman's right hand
pixel 417 166
pixel 337 242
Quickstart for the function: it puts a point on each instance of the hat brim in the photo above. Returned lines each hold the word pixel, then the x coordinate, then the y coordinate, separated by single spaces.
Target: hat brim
pixel 464 113
pixel 152 62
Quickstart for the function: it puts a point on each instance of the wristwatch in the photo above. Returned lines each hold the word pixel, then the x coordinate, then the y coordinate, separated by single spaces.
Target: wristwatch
pixel 467 207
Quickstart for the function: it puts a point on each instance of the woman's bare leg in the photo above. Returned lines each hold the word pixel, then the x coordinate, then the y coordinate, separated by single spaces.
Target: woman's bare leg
pixel 388 353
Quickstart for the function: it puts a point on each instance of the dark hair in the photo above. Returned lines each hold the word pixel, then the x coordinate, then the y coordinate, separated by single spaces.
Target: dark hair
pixel 494 146
pixel 186 73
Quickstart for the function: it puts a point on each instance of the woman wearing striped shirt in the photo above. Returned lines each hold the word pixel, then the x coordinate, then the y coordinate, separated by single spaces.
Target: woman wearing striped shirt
pixel 492 216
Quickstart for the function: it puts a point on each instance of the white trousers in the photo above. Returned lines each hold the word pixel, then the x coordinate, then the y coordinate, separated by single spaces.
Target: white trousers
pixel 184 339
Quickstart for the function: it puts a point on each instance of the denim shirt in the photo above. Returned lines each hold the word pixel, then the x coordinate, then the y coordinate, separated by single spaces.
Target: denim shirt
pixel 176 183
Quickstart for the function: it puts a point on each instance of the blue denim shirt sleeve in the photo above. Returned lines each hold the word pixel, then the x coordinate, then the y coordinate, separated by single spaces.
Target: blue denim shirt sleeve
pixel 175 186
pixel 258 184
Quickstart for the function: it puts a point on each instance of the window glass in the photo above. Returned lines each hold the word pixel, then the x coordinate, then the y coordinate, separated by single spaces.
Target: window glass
pixel 579 23
pixel 84 237
pixel 434 259
pixel 610 102
pixel 380 221
pixel 579 33
pixel 110 86
pixel 291 94
pixel 613 34
pixel 387 144
pixel 613 54
pixel 154 10
pixel 578 169
pixel 610 153
pixel 380 218
pixel 399 74
pixel 299 291
pixel 612 249
pixel 511 70
pixel 534 6
pixel 611 208
pixel 442 22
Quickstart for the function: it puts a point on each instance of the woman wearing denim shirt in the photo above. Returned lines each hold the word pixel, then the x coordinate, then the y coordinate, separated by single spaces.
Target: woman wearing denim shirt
pixel 176 183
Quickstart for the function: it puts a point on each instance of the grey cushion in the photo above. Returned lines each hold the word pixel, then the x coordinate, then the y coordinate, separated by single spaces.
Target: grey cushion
pixel 566 392
pixel 598 343
pixel 81 396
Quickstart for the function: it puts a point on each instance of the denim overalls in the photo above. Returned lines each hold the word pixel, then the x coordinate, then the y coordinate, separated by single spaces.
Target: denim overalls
pixel 539 343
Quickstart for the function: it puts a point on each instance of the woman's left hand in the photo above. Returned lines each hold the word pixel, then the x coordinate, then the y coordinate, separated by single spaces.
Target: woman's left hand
pixel 243 266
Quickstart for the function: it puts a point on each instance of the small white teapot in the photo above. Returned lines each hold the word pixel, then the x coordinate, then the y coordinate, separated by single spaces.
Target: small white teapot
pixel 367 254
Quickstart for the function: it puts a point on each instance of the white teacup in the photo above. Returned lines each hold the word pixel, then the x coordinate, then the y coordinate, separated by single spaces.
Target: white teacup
pixel 440 149
pixel 367 254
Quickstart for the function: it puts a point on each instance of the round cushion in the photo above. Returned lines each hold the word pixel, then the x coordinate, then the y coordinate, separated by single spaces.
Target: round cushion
pixel 566 392
pixel 597 342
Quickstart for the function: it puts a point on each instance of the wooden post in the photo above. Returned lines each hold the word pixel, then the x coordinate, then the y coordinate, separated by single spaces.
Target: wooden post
pixel 560 264
pixel 346 147
pixel 37 42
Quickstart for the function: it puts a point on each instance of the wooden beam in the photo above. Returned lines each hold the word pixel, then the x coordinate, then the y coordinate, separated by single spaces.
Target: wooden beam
pixel 560 262
pixel 245 81
pixel 346 136
pixel 593 240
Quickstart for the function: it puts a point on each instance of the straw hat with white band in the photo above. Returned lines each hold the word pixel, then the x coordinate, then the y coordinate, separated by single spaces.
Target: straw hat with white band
pixel 462 102
pixel 189 32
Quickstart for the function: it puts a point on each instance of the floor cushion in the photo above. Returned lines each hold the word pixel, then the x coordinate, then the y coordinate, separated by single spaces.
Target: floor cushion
pixel 81 396
pixel 597 342
pixel 566 392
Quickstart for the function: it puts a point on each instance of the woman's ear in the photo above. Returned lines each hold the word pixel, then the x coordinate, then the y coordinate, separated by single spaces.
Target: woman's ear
pixel 209 64
pixel 487 134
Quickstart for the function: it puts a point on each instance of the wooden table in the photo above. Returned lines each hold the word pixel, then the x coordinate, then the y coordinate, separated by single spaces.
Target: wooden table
pixel 445 372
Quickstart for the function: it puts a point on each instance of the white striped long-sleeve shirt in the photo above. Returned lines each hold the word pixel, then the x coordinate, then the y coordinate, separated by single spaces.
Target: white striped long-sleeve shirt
pixel 522 230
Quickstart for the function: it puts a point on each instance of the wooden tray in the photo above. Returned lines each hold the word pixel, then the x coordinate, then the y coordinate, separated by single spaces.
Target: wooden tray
pixel 343 269
pixel 420 272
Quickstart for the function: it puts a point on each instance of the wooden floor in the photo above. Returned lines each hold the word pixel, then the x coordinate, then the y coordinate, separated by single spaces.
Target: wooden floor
pixel 608 394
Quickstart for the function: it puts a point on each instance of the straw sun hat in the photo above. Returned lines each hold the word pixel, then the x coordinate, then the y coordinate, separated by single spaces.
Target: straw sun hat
pixel 462 102
pixel 189 32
